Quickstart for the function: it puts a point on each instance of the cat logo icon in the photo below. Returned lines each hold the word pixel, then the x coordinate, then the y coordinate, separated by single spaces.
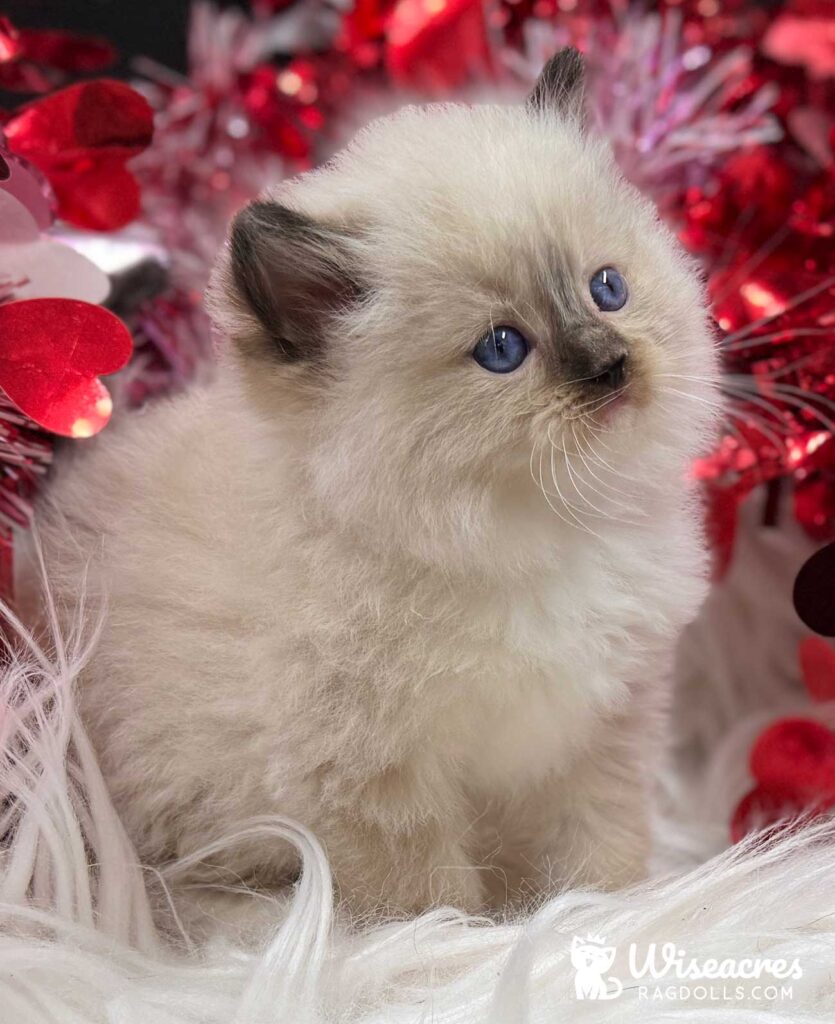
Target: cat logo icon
pixel 591 958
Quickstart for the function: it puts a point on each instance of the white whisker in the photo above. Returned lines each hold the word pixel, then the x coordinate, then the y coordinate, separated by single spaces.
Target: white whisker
pixel 598 436
pixel 787 392
pixel 626 506
pixel 764 339
pixel 789 399
pixel 760 254
pixel 566 504
pixel 727 426
pixel 601 400
pixel 760 424
pixel 598 513
pixel 798 300
pixel 541 485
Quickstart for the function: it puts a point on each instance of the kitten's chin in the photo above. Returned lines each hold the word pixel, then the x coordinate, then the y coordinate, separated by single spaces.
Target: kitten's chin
pixel 621 414
pixel 613 410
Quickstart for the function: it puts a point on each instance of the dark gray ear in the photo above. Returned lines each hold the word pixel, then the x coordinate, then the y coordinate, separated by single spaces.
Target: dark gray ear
pixel 560 85
pixel 289 274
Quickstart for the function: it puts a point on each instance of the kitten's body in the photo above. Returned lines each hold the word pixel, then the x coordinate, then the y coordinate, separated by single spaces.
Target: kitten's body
pixel 338 595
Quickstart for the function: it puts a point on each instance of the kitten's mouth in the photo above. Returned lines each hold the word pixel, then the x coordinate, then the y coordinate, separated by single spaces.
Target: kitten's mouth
pixel 607 390
pixel 622 388
pixel 611 406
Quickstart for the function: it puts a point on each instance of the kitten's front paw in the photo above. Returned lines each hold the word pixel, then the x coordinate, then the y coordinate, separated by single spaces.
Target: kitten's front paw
pixel 202 913
pixel 615 869
pixel 408 878
pixel 610 861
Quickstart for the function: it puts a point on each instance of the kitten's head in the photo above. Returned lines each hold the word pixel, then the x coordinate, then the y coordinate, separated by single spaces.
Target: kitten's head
pixel 478 323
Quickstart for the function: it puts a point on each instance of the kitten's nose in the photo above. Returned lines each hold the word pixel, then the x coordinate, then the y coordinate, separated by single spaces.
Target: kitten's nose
pixel 595 357
pixel 613 375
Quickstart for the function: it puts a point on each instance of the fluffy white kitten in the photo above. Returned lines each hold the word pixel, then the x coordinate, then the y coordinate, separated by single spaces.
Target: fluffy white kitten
pixel 416 591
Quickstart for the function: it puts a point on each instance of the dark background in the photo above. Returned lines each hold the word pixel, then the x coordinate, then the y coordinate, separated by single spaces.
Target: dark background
pixel 155 29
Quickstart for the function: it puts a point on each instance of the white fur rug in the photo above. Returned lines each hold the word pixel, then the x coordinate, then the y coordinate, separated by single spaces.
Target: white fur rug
pixel 77 943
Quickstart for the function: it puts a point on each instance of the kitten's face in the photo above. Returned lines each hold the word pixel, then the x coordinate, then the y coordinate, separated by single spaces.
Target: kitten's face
pixel 483 315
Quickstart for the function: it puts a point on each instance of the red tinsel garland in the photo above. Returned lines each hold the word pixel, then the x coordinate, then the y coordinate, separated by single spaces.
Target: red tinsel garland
pixel 722 110
pixel 701 107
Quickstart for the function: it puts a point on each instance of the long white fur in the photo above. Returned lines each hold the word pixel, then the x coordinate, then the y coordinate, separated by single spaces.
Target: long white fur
pixel 338 595
pixel 78 946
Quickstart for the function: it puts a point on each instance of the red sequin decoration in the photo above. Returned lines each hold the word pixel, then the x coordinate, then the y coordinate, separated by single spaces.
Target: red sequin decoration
pixel 52 352
pixel 81 138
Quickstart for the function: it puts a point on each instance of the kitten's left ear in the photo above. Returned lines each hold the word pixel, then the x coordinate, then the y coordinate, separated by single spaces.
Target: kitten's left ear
pixel 281 281
pixel 561 85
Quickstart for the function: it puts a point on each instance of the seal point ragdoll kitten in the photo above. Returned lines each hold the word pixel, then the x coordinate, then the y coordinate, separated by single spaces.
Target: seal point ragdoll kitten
pixel 411 571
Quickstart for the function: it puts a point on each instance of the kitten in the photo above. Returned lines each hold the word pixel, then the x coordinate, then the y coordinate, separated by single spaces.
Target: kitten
pixel 412 570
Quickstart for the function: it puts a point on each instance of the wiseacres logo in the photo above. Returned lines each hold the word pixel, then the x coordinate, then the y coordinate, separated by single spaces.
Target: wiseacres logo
pixel 665 972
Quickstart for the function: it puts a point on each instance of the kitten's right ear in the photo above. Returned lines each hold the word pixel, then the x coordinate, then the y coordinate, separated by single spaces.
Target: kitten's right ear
pixel 285 275
pixel 561 85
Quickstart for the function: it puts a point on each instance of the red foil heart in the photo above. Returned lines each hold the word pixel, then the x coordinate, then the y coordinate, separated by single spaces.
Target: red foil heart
pixel 793 763
pixel 36 60
pixel 795 758
pixel 52 352
pixel 81 139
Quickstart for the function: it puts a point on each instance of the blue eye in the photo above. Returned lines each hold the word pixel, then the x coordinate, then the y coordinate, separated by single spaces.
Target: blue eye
pixel 608 289
pixel 501 350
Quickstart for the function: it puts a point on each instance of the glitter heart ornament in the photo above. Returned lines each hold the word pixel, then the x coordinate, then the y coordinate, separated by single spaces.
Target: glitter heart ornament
pixel 81 138
pixel 793 760
pixel 36 60
pixel 52 352
pixel 793 764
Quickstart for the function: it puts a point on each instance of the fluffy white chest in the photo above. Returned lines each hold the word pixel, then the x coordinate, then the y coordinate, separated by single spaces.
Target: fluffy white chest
pixel 548 671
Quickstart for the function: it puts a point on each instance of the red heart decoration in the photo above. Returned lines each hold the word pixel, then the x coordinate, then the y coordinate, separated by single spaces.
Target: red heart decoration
pixel 795 757
pixel 101 197
pixel 66 51
pixel 51 354
pixel 81 138
pixel 33 60
pixel 793 762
